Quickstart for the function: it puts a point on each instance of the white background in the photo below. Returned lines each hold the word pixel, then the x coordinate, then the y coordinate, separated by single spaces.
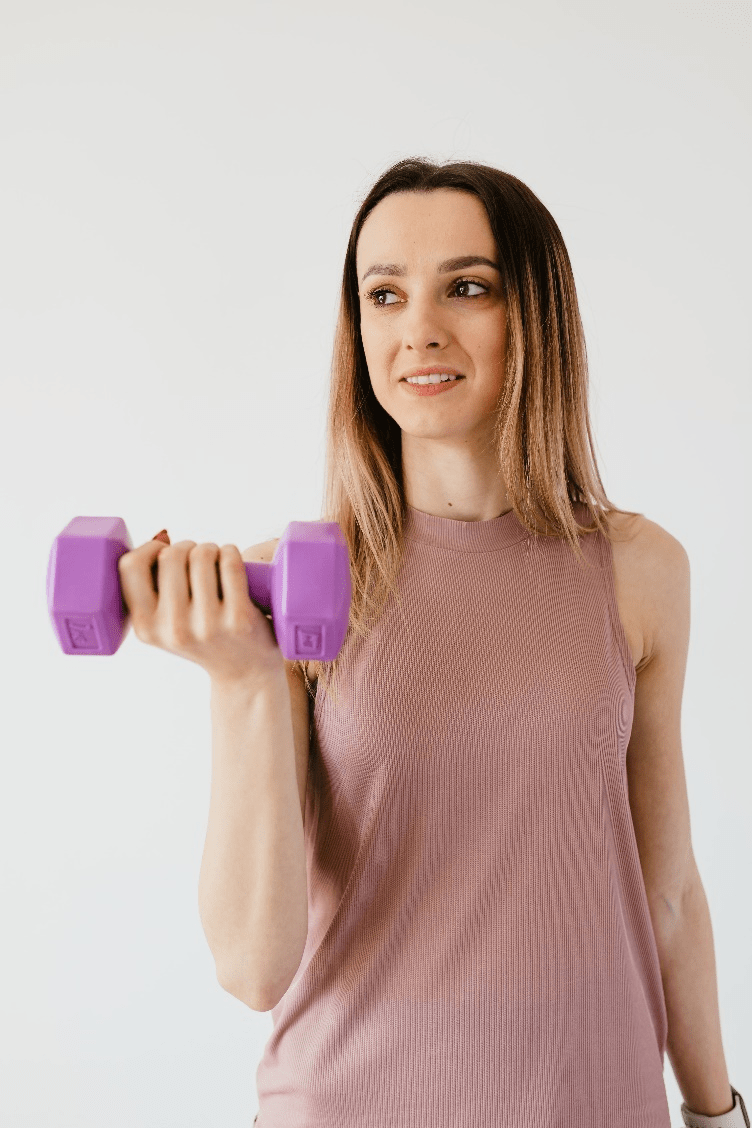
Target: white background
pixel 177 185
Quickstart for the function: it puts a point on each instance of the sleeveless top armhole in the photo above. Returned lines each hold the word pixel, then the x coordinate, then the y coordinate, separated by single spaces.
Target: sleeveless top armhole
pixel 620 635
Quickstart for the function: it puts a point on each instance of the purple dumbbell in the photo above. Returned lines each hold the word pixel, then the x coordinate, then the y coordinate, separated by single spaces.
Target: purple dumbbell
pixel 306 587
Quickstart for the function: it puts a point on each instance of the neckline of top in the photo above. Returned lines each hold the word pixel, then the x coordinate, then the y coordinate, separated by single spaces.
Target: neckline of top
pixel 468 536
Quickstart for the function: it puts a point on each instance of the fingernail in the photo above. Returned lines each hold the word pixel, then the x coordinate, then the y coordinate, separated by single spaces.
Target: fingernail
pixel 163 536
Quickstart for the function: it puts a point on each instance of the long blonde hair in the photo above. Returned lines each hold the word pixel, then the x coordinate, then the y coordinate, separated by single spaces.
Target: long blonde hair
pixel 542 434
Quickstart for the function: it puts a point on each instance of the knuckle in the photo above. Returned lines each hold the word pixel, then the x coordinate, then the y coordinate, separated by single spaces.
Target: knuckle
pixel 177 635
pixel 206 549
pixel 203 632
pixel 142 629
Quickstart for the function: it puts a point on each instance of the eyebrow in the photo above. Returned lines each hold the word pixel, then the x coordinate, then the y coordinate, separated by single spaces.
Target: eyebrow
pixel 398 269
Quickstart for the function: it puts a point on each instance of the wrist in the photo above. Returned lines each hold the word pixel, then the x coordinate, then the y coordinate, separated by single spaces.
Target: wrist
pixel 735 1117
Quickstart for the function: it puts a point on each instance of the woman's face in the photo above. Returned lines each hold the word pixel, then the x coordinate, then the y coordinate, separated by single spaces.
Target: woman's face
pixel 420 316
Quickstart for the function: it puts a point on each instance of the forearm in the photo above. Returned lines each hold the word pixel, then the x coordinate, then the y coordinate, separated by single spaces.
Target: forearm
pixel 253 899
pixel 687 959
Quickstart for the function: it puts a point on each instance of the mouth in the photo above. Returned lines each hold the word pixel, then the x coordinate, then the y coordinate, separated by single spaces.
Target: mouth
pixel 431 388
pixel 422 382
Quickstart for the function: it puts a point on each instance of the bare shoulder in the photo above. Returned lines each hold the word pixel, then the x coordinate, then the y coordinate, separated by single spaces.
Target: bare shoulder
pixel 651 567
pixel 263 553
pixel 624 526
pixel 647 541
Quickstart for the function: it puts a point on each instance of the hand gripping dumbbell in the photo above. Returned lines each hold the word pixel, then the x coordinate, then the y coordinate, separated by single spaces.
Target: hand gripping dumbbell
pixel 306 587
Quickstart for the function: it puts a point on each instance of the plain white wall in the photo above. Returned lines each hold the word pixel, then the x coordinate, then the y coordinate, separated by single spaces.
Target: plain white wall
pixel 177 184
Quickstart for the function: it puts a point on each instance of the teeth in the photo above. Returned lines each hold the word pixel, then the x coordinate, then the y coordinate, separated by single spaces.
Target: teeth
pixel 434 378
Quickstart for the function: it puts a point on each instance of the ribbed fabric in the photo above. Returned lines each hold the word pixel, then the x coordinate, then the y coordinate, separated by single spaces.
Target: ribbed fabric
pixel 480 951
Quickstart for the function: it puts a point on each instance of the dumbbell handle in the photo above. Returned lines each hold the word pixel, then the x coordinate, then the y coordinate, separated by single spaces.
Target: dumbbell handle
pixel 306 588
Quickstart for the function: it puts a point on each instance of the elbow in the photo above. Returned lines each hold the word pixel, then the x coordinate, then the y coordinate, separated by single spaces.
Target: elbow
pixel 255 1000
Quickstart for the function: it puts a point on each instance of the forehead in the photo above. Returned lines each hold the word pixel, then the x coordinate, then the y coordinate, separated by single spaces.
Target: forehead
pixel 420 228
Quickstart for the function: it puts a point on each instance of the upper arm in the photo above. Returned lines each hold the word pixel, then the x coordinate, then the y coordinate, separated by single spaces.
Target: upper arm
pixel 299 697
pixel 655 767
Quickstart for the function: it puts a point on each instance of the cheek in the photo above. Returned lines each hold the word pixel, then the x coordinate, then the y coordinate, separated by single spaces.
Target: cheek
pixel 383 390
pixel 490 386
pixel 495 338
pixel 377 351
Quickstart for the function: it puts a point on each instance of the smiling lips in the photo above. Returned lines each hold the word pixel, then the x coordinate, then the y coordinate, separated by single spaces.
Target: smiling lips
pixel 432 386
pixel 432 370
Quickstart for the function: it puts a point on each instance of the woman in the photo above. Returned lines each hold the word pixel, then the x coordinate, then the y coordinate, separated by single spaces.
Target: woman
pixel 488 898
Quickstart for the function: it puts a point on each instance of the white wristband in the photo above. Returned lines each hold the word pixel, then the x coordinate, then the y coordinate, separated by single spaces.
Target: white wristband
pixel 736 1117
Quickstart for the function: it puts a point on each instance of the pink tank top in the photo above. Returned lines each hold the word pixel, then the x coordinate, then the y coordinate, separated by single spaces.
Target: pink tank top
pixel 480 951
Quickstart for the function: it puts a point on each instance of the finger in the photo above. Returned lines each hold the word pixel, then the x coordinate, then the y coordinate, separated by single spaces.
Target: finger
pixel 137 572
pixel 234 579
pixel 173 580
pixel 203 574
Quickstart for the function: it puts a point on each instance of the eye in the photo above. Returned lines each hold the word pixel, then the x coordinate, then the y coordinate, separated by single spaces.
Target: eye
pixel 372 295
